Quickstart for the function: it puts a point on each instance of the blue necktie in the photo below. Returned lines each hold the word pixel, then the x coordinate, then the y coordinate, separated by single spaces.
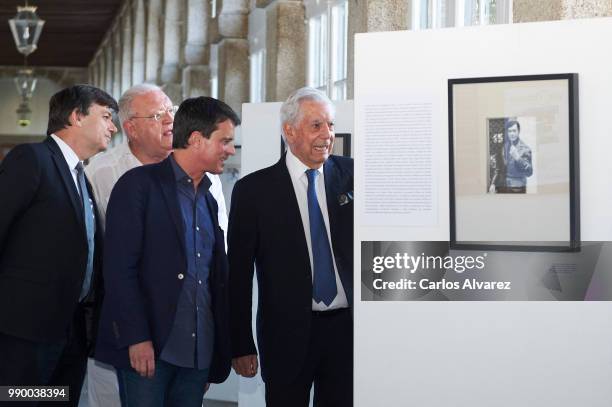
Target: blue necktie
pixel 90 226
pixel 324 278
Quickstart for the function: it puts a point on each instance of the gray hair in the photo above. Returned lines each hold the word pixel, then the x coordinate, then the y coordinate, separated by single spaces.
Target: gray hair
pixel 125 102
pixel 290 110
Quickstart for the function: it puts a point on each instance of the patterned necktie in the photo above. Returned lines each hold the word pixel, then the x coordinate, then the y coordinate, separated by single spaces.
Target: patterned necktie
pixel 90 226
pixel 324 279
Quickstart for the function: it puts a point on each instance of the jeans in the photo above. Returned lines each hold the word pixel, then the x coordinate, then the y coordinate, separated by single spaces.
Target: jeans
pixel 170 386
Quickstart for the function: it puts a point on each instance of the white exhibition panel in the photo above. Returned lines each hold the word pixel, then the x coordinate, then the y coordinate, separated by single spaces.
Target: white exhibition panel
pixel 440 354
pixel 261 148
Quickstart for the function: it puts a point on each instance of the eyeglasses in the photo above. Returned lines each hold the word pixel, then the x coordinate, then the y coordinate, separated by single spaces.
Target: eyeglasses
pixel 157 116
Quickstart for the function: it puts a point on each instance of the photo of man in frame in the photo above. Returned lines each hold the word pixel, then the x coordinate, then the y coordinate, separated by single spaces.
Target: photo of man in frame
pixel 510 158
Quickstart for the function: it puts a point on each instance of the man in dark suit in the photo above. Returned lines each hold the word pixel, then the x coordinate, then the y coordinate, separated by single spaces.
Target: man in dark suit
pixel 49 246
pixel 164 323
pixel 294 221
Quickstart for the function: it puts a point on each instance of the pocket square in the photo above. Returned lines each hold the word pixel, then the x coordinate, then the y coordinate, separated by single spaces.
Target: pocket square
pixel 345 198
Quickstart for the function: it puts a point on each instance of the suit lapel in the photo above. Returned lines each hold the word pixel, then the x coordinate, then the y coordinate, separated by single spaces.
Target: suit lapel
pixel 213 209
pixel 332 192
pixel 219 247
pixel 66 177
pixel 168 187
pixel 337 193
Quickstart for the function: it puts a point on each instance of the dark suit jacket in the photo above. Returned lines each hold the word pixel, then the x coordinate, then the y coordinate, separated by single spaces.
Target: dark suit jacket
pixel 265 228
pixel 144 264
pixel 43 244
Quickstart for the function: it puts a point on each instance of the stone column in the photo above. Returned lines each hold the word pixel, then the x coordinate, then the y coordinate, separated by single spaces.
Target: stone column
pixel 101 69
pixel 233 64
pixel 94 69
pixel 138 59
pixel 126 59
pixel 286 47
pixel 170 72
pixel 588 8
pixel 233 72
pixel 546 10
pixel 171 68
pixel 108 55
pixel 196 51
pixel 154 41
pixel 233 19
pixel 372 16
pixel 196 81
pixel 96 78
pixel 117 71
pixel 196 74
pixel 543 10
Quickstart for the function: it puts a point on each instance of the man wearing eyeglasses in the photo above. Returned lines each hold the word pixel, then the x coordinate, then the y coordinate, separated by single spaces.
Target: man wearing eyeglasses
pixel 147 117
pixel 164 320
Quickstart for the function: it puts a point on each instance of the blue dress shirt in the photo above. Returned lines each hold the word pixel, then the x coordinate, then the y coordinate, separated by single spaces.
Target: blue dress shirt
pixel 190 343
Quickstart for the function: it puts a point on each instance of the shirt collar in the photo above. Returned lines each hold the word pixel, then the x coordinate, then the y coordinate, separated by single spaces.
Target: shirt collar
pixel 296 167
pixel 181 176
pixel 69 155
pixel 124 149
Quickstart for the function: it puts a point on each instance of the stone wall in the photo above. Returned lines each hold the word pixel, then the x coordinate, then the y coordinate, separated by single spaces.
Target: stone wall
pixel 168 42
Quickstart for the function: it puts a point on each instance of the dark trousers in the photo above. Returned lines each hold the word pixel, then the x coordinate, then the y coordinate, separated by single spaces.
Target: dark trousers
pixel 170 386
pixel 29 363
pixel 328 364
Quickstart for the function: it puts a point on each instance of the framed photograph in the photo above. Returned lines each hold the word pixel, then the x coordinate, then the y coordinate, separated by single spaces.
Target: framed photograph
pixel 514 175
pixel 342 145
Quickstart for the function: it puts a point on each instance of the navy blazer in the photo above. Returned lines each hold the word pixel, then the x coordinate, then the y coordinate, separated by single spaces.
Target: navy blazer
pixel 266 228
pixel 43 245
pixel 144 265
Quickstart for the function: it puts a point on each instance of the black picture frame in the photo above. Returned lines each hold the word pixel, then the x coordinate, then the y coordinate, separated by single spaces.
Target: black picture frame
pixel 342 144
pixel 492 169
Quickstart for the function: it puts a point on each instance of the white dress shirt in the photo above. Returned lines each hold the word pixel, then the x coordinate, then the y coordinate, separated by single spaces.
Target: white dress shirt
pixel 299 179
pixel 71 159
pixel 105 169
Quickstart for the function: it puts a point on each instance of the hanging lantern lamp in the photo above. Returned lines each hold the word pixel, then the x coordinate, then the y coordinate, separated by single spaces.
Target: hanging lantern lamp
pixel 26 28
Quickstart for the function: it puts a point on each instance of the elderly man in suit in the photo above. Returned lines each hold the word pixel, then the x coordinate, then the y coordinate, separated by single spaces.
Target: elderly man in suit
pixel 49 245
pixel 164 323
pixel 294 222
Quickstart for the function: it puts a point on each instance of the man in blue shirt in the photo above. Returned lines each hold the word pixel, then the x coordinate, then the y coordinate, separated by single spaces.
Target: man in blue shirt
pixel 164 319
